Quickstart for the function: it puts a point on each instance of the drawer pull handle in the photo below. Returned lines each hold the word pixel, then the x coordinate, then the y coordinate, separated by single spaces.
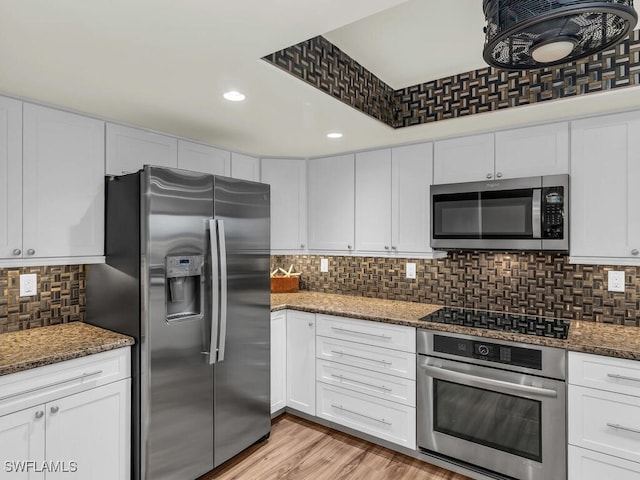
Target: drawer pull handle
pixel 384 362
pixel 622 377
pixel 346 330
pixel 621 427
pixel 342 378
pixel 340 407
pixel 31 390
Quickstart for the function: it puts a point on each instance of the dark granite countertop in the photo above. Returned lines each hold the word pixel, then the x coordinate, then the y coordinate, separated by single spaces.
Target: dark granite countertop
pixel 589 337
pixel 41 346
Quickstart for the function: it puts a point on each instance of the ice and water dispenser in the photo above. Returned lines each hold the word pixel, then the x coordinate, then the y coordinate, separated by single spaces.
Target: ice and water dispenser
pixel 184 287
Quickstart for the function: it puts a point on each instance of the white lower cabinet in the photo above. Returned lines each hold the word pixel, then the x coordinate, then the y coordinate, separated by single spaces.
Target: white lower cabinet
pixel 75 422
pixel 278 360
pixel 603 418
pixel 366 377
pixel 301 357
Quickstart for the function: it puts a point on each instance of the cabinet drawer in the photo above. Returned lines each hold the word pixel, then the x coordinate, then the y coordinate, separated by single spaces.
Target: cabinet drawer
pixel 379 334
pixel 588 465
pixel 605 422
pixel 606 373
pixel 383 360
pixel 383 419
pixel 42 384
pixel 372 383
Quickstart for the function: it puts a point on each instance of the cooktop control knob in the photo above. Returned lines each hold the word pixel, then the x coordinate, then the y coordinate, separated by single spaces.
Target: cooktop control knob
pixel 483 350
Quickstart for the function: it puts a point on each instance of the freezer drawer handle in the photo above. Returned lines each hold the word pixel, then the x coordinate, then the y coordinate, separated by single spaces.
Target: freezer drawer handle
pixel 343 378
pixel 384 362
pixel 346 330
pixel 218 291
pixel 483 382
pixel 622 377
pixel 621 427
pixel 340 407
pixel 54 384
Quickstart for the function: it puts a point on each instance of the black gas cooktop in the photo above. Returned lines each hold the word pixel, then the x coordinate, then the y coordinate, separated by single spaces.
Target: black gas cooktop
pixel 528 325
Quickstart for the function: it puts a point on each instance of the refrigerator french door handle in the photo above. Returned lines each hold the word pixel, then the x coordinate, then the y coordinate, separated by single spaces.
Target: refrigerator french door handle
pixel 222 249
pixel 215 289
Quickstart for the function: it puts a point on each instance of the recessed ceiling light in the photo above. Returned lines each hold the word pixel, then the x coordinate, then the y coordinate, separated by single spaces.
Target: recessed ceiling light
pixel 334 135
pixel 234 96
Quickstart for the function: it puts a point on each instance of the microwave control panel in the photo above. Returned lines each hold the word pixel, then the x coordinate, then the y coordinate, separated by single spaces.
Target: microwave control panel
pixel 553 206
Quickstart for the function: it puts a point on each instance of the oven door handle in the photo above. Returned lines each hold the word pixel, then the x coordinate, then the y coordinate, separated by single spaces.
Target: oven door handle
pixel 473 380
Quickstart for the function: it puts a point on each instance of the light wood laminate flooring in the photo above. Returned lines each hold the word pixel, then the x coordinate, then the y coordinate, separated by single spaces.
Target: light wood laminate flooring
pixel 303 450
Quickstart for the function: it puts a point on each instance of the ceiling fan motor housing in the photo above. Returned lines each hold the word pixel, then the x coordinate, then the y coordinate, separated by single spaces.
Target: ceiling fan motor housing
pixel 530 34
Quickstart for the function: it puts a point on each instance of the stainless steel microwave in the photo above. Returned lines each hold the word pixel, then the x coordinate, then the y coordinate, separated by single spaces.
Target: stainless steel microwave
pixel 514 214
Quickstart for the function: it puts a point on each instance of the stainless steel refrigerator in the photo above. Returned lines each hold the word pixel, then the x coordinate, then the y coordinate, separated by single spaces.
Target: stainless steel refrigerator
pixel 187 275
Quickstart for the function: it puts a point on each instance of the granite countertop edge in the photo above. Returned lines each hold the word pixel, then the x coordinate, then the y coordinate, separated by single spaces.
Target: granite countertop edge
pixel 38 347
pixel 587 337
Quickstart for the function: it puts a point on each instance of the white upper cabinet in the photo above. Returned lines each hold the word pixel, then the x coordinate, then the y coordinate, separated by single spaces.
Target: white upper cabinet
pixel 373 201
pixel 532 151
pixel 465 159
pixel 605 174
pixel 63 184
pixel 10 178
pixel 411 176
pixel 331 203
pixel 203 158
pixel 521 152
pixel 288 180
pixel 245 167
pixel 129 149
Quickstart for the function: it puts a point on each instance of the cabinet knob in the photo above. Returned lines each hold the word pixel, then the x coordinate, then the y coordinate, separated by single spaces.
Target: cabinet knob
pixel 39 414
pixel 499 174
pixel 17 251
pixel 55 409
pixel 635 251
pixel 489 176
pixel 393 247
pixel 302 245
pixel 386 247
pixel 31 251
pixel 311 324
pixel 349 247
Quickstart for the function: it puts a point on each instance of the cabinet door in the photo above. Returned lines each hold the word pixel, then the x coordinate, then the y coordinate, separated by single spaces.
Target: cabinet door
pixel 301 362
pixel 465 159
pixel 605 174
pixel 533 151
pixel 129 149
pixel 22 439
pixel 278 361
pixel 203 158
pixel 10 178
pixel 586 464
pixel 92 429
pixel 288 180
pixel 63 184
pixel 245 167
pixel 412 175
pixel 373 201
pixel 331 203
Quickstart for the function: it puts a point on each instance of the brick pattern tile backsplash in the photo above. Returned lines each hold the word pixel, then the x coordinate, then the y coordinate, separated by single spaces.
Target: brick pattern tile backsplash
pixel 532 284
pixel 61 297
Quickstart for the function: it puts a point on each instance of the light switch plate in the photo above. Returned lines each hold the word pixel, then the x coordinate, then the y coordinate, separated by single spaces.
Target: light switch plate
pixel 324 265
pixel 28 284
pixel 616 281
pixel 411 270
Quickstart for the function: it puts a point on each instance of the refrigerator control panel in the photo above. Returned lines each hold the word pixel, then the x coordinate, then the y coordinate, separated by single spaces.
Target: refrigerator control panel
pixel 184 265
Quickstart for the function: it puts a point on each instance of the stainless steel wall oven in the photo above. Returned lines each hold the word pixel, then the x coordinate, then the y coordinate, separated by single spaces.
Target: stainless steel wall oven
pixel 492 405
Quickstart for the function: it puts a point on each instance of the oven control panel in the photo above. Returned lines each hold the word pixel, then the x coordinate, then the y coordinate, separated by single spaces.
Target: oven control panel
pixel 489 352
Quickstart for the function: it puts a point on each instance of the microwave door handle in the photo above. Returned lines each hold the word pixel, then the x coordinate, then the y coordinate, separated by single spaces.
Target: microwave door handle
pixel 536 213
pixel 215 291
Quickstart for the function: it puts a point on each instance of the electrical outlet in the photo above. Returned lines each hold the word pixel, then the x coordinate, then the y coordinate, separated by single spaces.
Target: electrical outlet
pixel 28 284
pixel 411 270
pixel 324 265
pixel 616 281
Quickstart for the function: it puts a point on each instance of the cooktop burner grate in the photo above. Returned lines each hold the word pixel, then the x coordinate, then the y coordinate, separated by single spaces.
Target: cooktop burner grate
pixel 528 325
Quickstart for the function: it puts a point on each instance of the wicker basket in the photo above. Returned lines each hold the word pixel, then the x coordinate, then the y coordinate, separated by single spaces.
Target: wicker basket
pixel 284 284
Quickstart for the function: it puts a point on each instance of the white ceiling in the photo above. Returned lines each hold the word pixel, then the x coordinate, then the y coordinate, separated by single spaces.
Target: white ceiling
pixel 164 64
